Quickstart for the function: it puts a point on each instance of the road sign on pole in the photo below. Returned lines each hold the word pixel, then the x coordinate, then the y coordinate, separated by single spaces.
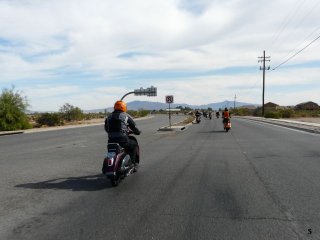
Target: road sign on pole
pixel 169 99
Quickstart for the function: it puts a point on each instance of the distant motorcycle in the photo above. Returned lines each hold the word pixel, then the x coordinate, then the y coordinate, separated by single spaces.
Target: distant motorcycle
pixel 217 114
pixel 205 114
pixel 227 124
pixel 198 119
pixel 117 163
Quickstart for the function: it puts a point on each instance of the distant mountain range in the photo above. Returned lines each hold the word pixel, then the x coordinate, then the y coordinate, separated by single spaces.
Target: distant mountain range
pixel 136 105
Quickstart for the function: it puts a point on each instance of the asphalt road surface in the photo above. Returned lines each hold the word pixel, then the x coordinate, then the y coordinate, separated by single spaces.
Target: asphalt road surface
pixel 257 181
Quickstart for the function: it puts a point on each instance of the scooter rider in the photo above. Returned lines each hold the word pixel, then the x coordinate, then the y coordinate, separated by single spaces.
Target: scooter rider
pixel 198 114
pixel 226 115
pixel 118 124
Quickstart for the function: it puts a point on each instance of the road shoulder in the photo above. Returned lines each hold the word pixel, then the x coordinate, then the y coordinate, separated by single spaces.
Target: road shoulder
pixel 75 125
pixel 298 125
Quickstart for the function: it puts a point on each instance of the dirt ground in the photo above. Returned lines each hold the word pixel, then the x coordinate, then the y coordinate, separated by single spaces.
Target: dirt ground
pixel 91 121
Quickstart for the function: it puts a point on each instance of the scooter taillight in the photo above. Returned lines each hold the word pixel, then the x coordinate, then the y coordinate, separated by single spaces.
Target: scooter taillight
pixel 110 162
pixel 110 156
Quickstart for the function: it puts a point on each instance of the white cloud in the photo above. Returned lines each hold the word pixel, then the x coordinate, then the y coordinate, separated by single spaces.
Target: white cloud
pixel 45 91
pixel 45 38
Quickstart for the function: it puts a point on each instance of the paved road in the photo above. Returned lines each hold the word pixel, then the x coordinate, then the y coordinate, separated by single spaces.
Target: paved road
pixel 256 182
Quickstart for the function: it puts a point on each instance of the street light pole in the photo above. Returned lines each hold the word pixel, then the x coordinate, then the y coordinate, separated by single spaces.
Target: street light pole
pixel 126 95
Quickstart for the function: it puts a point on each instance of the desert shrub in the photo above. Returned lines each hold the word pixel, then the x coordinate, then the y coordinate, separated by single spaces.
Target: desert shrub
pixel 71 113
pixel 12 110
pixel 89 116
pixel 272 115
pixel 139 113
pixel 257 112
pixel 50 119
pixel 242 112
pixel 287 113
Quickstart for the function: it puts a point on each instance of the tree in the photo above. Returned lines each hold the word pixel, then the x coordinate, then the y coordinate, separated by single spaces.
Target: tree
pixel 12 110
pixel 71 113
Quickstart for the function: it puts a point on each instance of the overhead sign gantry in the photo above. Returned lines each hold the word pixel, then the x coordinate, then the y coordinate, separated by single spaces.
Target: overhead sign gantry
pixel 150 92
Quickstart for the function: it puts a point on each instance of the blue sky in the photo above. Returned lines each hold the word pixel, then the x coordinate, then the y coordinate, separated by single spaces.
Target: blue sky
pixel 90 53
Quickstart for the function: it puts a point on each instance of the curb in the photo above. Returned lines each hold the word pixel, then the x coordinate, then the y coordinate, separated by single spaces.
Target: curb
pixel 10 133
pixel 285 124
pixel 175 128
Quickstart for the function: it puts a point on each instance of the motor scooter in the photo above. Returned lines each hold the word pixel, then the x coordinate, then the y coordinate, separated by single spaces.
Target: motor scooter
pixel 227 124
pixel 198 119
pixel 117 163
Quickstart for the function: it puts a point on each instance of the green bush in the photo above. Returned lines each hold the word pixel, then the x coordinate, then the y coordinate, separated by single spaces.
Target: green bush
pixel 88 116
pixel 257 112
pixel 287 113
pixel 12 111
pixel 71 113
pixel 272 115
pixel 50 119
pixel 139 113
pixel 307 113
pixel 242 112
pixel 315 114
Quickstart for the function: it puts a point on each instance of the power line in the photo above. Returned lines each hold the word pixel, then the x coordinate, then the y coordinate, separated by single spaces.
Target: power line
pixel 285 22
pixel 314 7
pixel 299 22
pixel 298 45
pixel 288 59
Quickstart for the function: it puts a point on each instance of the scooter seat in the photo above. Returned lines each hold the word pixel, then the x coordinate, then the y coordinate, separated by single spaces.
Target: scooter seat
pixel 114 147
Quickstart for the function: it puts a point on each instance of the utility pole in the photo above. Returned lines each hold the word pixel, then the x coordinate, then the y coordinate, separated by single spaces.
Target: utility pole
pixel 234 103
pixel 264 59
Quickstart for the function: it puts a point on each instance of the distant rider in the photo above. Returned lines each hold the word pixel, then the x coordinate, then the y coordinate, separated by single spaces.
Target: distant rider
pixel 198 114
pixel 226 115
pixel 118 125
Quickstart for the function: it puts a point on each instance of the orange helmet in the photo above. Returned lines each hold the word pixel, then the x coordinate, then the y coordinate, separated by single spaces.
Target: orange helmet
pixel 120 106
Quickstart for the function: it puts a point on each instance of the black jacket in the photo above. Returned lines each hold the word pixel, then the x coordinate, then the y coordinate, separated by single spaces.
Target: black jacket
pixel 118 124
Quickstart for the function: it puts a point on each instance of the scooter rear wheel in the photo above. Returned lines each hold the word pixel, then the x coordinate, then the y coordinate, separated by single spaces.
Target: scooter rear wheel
pixel 115 181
